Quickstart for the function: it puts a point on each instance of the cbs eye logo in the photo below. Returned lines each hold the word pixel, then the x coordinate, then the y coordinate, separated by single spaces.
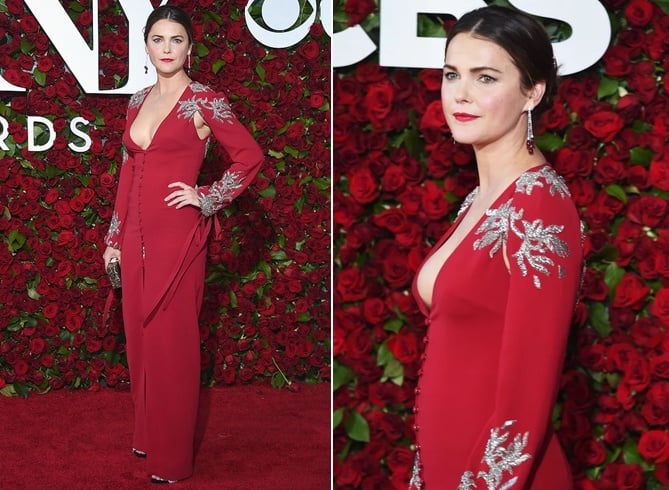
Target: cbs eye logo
pixel 282 23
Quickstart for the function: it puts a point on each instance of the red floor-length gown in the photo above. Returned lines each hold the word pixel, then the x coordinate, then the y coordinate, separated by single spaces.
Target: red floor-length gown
pixel 496 341
pixel 163 252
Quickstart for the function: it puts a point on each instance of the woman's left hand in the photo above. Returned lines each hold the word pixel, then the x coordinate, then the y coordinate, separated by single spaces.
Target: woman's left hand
pixel 184 196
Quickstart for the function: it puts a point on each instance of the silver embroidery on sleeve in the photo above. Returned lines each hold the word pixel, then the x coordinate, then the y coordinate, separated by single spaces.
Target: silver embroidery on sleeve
pixel 114 229
pixel 415 482
pixel 536 241
pixel 499 459
pixel 495 228
pixel 220 192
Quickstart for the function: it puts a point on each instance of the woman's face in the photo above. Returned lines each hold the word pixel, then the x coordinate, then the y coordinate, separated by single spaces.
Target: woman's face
pixel 168 47
pixel 481 93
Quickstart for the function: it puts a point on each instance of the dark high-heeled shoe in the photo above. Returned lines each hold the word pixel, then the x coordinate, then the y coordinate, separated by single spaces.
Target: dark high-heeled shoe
pixel 157 479
pixel 138 453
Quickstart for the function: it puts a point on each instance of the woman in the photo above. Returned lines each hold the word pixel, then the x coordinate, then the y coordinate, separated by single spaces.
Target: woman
pixel 499 289
pixel 158 232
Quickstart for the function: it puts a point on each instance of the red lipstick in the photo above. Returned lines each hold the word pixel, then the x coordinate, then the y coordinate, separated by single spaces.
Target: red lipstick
pixel 464 117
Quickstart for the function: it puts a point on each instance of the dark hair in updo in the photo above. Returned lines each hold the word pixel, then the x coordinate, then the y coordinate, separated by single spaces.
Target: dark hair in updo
pixel 170 13
pixel 520 35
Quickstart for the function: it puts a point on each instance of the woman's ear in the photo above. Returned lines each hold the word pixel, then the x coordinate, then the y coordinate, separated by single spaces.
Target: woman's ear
pixel 535 94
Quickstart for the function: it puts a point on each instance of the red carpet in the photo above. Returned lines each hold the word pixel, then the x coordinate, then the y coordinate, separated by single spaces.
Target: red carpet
pixel 250 437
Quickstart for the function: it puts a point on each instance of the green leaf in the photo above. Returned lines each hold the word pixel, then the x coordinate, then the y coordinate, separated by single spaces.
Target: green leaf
pixel 598 314
pixel 607 87
pixel 383 355
pixel 15 241
pixel 612 276
pixel 39 77
pixel 641 156
pixel 261 72
pixel 216 67
pixel 8 390
pixel 357 427
pixel 201 50
pixel 393 325
pixel 549 141
pixel 337 417
pixel 631 453
pixel 268 192
pixel 614 190
pixel 393 371
pixel 341 375
pixel 27 47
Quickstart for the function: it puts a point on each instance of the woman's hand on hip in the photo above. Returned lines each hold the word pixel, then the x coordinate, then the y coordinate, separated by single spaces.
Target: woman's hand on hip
pixel 109 253
pixel 184 196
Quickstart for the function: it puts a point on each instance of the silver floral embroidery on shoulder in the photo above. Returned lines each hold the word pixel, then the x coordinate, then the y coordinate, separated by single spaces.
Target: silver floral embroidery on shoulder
pixel 529 180
pixel 415 483
pixel 537 240
pixel 219 107
pixel 198 87
pixel 495 228
pixel 468 201
pixel 499 459
pixel 220 192
pixel 138 97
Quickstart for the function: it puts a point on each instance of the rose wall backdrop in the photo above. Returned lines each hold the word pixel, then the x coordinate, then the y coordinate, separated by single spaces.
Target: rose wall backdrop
pixel 266 315
pixel 399 180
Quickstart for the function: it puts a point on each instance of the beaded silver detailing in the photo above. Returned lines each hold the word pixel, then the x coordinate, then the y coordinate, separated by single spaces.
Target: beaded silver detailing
pixel 138 97
pixel 415 483
pixel 529 180
pixel 114 228
pixel 499 459
pixel 468 201
pixel 537 241
pixel 218 106
pixel 220 192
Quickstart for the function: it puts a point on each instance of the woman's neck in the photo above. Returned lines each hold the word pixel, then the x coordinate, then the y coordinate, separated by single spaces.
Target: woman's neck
pixel 172 83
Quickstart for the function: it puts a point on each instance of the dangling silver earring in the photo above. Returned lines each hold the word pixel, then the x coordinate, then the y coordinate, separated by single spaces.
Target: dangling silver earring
pixel 146 62
pixel 529 143
pixel 188 62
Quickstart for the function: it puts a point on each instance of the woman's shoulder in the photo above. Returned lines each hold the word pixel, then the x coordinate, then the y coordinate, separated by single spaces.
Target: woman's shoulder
pixel 200 88
pixel 541 192
pixel 138 97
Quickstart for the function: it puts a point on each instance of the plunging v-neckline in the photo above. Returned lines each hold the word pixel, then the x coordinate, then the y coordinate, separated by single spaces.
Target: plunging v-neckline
pixel 155 133
pixel 465 237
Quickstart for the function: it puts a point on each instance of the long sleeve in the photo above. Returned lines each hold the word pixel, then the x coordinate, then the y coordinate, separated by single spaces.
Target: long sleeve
pixel 244 152
pixel 539 232
pixel 114 235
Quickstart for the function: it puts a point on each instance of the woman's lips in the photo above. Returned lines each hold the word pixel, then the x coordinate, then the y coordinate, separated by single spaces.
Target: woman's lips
pixel 464 117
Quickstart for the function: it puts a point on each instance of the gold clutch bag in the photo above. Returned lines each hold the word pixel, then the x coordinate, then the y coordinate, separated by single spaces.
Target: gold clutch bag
pixel 114 272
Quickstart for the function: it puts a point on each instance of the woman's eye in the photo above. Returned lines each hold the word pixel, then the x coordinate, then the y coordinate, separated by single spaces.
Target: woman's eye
pixel 449 75
pixel 487 79
pixel 178 41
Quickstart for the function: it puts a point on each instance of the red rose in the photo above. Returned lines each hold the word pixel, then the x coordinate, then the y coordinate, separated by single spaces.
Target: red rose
pixel 393 219
pixel 379 104
pixel 639 12
pixel 654 446
pixel 660 306
pixel 658 174
pixel 629 477
pixel 400 461
pixel 358 10
pixel 617 61
pixel 647 210
pixel 363 185
pixel 404 346
pixel 655 410
pixel 351 284
pixel 570 162
pixel 589 452
pixel 434 201
pixel 433 117
pixel 604 125
pixel 631 292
